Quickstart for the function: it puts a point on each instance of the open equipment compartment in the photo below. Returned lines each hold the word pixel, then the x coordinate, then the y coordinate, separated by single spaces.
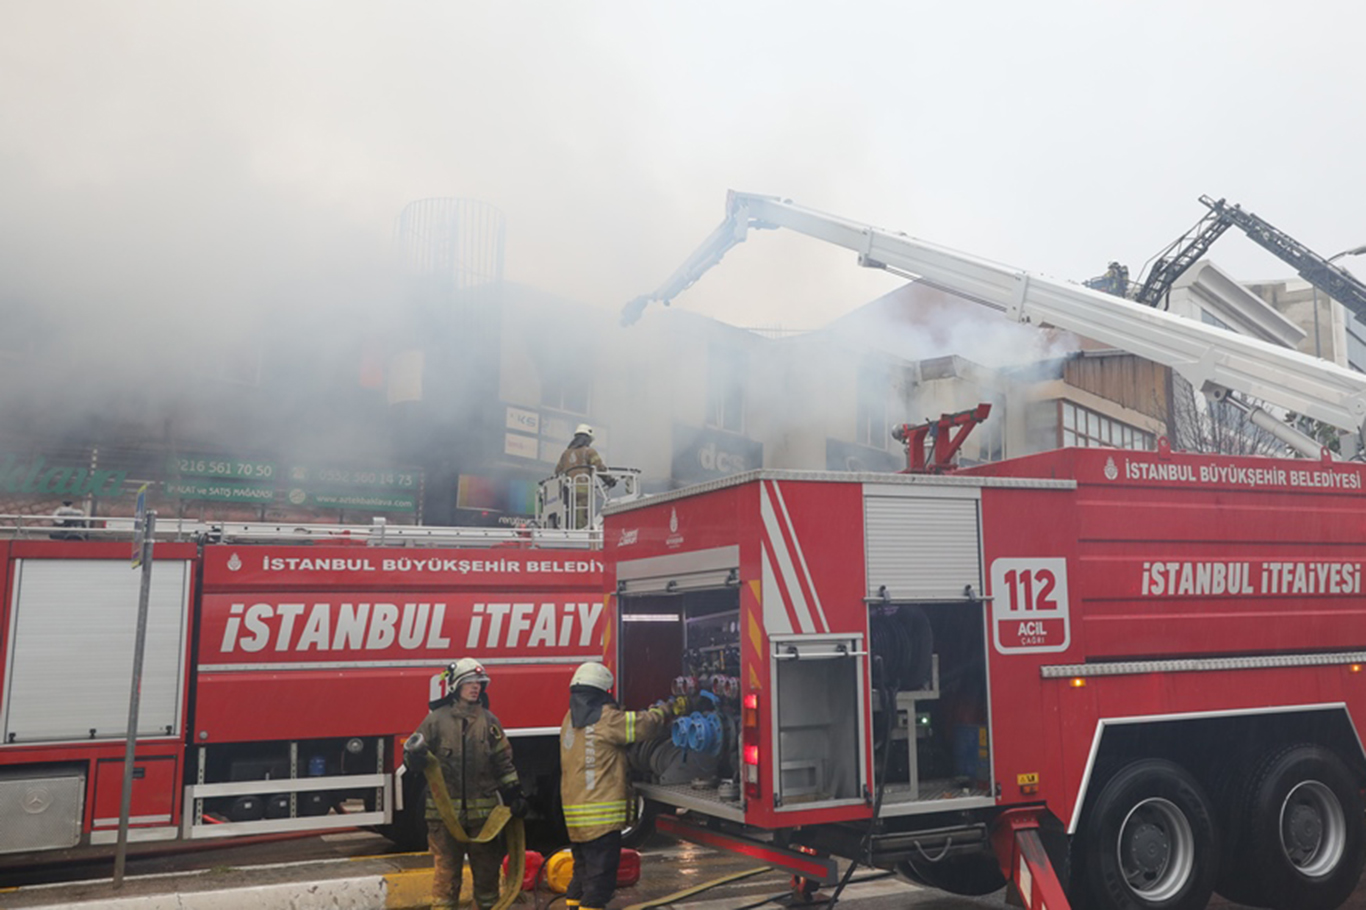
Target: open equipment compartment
pixel 818 702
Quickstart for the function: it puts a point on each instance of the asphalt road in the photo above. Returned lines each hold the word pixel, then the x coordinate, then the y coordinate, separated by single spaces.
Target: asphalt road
pixel 667 867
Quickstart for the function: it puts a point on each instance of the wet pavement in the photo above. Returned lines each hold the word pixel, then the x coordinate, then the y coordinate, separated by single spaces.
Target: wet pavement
pixel 274 873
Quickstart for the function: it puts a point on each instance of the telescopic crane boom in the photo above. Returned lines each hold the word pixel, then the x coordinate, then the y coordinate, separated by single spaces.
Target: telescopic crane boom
pixel 1213 360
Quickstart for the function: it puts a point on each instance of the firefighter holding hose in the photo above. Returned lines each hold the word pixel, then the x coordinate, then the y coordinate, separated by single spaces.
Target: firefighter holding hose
pixel 593 740
pixel 474 760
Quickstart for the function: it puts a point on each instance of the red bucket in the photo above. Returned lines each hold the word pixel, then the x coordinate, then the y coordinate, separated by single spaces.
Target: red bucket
pixel 533 866
pixel 628 871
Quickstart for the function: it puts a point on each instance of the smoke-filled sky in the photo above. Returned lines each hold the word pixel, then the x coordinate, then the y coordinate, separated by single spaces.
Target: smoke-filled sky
pixel 168 164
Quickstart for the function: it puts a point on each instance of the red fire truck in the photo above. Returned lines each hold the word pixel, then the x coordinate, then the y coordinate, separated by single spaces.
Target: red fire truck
pixel 1114 678
pixel 284 667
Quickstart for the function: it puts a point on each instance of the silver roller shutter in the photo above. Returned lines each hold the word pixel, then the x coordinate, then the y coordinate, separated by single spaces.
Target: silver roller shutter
pixel 922 544
pixel 72 628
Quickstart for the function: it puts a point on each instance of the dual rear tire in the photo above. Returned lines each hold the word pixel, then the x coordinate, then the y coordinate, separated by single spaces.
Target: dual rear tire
pixel 1290 835
pixel 1298 833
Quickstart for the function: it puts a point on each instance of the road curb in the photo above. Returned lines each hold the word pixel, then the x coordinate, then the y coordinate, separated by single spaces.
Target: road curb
pixel 407 890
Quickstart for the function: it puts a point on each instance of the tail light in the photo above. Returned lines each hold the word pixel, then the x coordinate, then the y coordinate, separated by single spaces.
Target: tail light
pixel 750 718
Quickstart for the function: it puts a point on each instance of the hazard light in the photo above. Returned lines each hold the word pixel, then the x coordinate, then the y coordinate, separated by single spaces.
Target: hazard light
pixel 751 755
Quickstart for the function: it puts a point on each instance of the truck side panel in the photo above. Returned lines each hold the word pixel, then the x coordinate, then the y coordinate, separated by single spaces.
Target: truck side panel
pixel 1210 600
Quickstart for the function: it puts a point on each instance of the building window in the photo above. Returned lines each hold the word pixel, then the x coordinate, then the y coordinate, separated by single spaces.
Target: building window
pixel 1084 427
pixel 1209 318
pixel 871 409
pixel 566 390
pixel 1356 344
pixel 725 389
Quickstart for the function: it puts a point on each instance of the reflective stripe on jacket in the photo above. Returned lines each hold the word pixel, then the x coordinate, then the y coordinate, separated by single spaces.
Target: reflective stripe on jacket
pixel 475 756
pixel 593 784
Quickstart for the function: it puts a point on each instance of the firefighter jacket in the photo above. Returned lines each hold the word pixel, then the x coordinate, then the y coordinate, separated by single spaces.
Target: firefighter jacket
pixel 579 460
pixel 593 784
pixel 475 756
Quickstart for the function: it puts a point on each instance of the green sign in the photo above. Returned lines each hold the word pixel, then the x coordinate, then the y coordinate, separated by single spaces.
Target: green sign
pixel 372 501
pixel 37 476
pixel 218 492
pixel 199 466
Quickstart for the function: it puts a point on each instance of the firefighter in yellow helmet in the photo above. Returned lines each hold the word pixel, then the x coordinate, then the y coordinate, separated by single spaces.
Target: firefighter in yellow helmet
pixel 593 740
pixel 476 761
pixel 578 464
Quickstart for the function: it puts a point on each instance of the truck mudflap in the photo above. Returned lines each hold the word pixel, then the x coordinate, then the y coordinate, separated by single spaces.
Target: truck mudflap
pixel 1024 862
pixel 816 868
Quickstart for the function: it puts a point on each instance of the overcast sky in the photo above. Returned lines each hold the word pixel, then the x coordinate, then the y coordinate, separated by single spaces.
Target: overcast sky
pixel 169 158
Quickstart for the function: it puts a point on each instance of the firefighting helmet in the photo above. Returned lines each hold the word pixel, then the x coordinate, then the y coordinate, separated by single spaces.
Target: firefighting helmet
pixel 593 674
pixel 465 670
pixel 583 429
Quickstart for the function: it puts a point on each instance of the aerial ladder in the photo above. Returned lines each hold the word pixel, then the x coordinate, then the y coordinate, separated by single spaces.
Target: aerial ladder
pixel 1221 364
pixel 1186 250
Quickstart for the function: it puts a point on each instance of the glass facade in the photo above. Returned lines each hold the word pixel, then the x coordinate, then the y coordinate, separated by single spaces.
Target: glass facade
pixel 1083 427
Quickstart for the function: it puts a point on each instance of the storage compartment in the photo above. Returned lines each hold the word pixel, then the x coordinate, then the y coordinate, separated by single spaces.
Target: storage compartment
pixel 819 705
pixel 154 791
pixel 41 811
pixel 685 648
pixel 930 707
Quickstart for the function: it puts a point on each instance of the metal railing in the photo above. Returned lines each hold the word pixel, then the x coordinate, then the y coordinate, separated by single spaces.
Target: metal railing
pixel 378 533
pixel 574 503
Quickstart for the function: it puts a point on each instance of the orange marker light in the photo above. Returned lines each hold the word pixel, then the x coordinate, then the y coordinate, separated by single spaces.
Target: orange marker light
pixel 1356 668
pixel 1077 682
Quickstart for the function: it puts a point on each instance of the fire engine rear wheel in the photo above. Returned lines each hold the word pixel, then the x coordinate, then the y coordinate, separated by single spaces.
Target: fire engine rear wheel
pixel 972 875
pixel 1305 829
pixel 638 832
pixel 1149 841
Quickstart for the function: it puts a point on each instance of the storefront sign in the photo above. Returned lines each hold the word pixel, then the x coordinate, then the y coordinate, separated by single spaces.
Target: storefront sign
pixel 523 421
pixel 384 478
pixel 202 466
pixel 370 501
pixel 218 492
pixel 37 476
pixel 706 454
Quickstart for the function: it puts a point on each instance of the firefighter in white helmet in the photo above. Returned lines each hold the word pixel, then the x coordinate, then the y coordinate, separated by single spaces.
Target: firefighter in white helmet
pixel 578 464
pixel 476 761
pixel 593 785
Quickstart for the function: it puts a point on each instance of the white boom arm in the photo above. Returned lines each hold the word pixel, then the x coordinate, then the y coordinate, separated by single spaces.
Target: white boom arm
pixel 1213 360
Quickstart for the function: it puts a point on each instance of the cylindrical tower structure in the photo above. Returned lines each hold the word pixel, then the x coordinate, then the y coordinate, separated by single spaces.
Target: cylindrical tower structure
pixel 453 242
pixel 450 254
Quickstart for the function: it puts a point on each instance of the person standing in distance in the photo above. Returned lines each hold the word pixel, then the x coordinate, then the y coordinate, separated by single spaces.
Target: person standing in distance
pixel 581 460
pixel 476 761
pixel 593 785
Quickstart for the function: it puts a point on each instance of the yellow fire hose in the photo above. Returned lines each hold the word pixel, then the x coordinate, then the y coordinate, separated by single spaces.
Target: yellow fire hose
pixel 501 817
pixel 698 889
